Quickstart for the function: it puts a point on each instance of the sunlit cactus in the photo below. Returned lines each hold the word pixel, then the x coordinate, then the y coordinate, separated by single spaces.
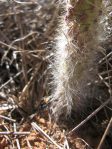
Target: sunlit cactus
pixel 78 51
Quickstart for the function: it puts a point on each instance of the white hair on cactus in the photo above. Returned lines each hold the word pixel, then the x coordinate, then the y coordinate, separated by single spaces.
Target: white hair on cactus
pixel 75 69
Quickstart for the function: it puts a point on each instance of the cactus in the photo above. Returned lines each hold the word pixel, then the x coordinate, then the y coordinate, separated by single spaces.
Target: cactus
pixel 77 55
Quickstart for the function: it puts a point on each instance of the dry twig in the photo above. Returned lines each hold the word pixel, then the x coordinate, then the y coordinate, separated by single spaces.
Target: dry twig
pixel 35 126
pixel 105 134
pixel 90 116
